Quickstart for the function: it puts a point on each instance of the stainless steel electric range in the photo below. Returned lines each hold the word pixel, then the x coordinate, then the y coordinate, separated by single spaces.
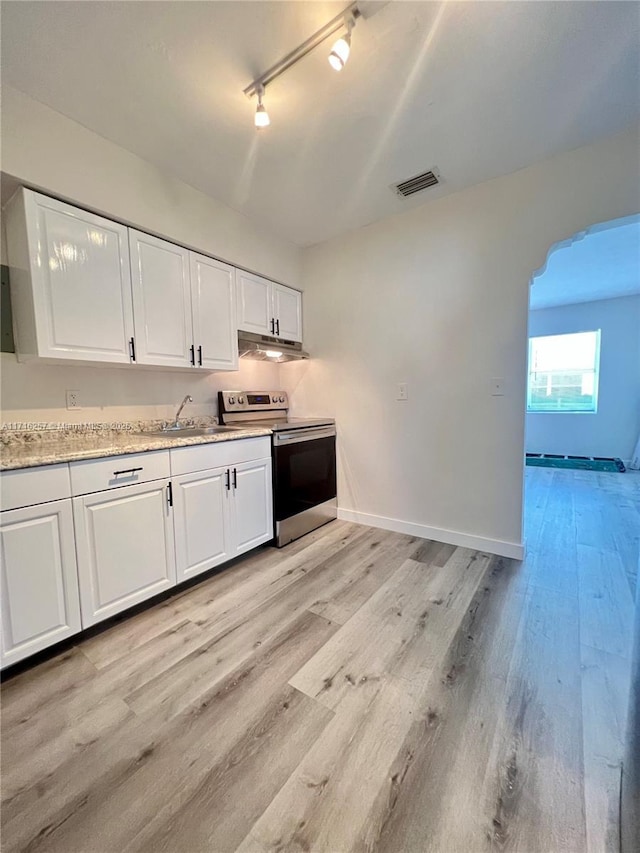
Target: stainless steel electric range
pixel 304 459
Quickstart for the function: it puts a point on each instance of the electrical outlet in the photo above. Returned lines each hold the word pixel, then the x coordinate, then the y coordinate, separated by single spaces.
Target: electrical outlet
pixel 73 400
pixel 403 391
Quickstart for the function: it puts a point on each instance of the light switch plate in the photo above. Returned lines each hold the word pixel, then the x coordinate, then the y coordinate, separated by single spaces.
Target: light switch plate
pixel 497 386
pixel 403 391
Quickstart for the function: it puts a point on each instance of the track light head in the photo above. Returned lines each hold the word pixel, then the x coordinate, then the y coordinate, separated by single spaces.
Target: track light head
pixel 343 22
pixel 341 48
pixel 262 116
pixel 340 53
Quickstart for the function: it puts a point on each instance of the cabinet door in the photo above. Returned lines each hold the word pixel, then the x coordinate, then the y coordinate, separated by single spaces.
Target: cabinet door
pixel 161 301
pixel 252 510
pixel 201 518
pixel 213 303
pixel 81 282
pixel 255 304
pixel 40 604
pixel 125 548
pixel 287 309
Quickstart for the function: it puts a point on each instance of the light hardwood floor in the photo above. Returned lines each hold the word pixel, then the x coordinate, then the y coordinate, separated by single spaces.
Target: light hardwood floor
pixel 357 691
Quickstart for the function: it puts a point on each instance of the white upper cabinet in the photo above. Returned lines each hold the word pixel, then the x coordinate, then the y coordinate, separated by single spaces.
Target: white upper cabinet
pixel 213 307
pixel 70 281
pixel 92 290
pixel 161 301
pixel 255 312
pixel 267 308
pixel 287 311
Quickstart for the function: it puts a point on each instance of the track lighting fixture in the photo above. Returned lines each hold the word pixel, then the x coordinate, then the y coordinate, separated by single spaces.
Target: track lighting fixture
pixel 341 48
pixel 262 116
pixel 338 56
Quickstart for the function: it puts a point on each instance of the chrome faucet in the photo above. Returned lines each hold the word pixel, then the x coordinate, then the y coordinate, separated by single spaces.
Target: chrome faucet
pixel 176 422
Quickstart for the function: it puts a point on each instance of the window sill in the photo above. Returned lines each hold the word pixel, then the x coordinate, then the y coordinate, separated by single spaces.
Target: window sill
pixel 565 412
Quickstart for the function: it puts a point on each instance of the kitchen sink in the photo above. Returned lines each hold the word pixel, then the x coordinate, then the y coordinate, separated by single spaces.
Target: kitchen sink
pixel 186 432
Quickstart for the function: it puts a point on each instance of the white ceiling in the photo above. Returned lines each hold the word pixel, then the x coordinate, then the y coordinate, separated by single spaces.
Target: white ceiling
pixel 477 89
pixel 601 263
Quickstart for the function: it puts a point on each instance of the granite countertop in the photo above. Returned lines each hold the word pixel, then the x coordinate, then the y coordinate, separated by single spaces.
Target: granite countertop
pixel 50 446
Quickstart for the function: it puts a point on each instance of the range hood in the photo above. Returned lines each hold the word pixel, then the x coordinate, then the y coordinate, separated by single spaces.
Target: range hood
pixel 265 347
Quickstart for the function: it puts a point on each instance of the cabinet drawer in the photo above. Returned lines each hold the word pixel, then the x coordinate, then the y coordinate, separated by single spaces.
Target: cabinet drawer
pixel 201 457
pixel 95 475
pixel 28 486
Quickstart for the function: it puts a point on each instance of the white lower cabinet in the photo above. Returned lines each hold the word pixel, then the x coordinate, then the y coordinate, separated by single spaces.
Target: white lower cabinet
pixel 221 513
pixel 78 545
pixel 125 548
pixel 252 508
pixel 201 519
pixel 40 604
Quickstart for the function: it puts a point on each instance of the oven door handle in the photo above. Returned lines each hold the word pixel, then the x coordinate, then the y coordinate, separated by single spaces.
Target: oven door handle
pixel 299 435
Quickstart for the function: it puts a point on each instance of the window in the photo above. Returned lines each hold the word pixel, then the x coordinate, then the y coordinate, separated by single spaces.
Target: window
pixel 563 373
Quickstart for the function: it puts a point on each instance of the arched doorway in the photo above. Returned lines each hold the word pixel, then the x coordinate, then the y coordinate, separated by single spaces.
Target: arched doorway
pixel 582 522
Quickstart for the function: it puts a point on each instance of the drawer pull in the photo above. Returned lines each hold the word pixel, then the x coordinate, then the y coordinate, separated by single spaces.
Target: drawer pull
pixel 127 471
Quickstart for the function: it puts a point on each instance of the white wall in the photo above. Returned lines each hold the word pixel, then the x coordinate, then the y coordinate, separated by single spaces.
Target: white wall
pixel 437 297
pixel 48 151
pixel 36 393
pixel 614 429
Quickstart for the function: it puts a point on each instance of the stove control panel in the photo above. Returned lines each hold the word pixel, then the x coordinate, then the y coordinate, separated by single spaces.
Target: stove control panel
pixel 252 401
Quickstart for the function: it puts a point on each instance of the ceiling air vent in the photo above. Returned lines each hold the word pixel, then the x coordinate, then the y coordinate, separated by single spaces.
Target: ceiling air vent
pixel 418 183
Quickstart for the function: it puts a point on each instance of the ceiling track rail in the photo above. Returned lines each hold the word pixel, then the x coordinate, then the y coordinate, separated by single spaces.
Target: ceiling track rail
pixel 339 22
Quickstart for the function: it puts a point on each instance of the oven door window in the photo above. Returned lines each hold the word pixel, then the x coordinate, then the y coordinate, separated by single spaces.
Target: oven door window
pixel 305 475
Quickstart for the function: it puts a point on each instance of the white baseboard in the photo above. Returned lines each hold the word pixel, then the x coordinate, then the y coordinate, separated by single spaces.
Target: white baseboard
pixel 514 550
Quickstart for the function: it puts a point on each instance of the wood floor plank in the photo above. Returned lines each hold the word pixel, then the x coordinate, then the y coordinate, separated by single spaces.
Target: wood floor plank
pixel 605 680
pixel 551 559
pixel 403 628
pixel 80 703
pixel 436 801
pixel 259 762
pixel 232 635
pixel 536 769
pixel 349 764
pixel 118 787
pixel 363 570
pixel 606 606
pixel 43 684
pixel 270 583
pixel 49 744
